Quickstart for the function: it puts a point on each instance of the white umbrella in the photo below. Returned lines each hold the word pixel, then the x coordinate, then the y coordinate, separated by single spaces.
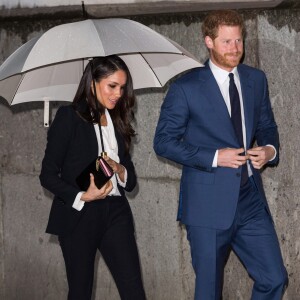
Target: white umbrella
pixel 49 67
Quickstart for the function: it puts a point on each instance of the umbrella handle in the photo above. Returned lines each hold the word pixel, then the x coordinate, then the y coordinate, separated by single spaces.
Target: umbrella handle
pixel 46 113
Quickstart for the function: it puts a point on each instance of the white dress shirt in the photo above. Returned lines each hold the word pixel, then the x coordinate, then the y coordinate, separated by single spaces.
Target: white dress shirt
pixel 222 78
pixel 111 148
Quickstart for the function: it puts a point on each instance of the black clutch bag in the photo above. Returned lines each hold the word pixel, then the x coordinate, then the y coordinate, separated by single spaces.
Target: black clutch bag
pixel 100 169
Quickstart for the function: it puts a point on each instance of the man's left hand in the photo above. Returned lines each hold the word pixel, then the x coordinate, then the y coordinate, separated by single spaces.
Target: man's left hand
pixel 259 156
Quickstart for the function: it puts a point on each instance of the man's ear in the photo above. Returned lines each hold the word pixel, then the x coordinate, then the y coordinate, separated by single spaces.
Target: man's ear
pixel 208 42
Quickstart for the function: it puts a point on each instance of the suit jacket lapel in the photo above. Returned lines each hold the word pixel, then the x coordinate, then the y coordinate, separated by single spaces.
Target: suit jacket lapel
pixel 91 138
pixel 209 87
pixel 90 133
pixel 119 139
pixel 247 87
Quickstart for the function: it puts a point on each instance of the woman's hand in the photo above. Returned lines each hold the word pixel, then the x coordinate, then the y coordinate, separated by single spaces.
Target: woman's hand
pixel 93 193
pixel 117 168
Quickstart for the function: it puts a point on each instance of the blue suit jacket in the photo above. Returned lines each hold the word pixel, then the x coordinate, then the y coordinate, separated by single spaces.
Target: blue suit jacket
pixel 194 123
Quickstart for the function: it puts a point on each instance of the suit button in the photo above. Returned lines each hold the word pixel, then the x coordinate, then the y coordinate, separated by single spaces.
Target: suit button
pixel 238 175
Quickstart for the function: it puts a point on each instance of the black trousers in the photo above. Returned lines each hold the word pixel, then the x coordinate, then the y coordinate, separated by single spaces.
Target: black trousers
pixel 107 226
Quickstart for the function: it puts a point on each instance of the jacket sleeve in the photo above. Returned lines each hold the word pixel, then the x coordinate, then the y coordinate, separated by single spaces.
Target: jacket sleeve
pixel 125 160
pixel 58 141
pixel 266 131
pixel 169 139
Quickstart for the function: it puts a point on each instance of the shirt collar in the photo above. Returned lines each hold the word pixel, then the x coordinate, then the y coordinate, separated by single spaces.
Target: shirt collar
pixel 221 75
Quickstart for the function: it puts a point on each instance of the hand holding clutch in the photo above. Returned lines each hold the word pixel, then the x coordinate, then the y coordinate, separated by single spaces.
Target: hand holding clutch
pixel 100 169
pixel 93 193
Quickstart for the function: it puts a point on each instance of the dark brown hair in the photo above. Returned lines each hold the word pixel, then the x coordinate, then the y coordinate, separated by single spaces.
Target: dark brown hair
pixel 218 18
pixel 86 105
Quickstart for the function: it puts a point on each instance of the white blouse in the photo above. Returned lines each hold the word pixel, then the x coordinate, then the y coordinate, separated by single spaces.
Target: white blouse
pixel 111 148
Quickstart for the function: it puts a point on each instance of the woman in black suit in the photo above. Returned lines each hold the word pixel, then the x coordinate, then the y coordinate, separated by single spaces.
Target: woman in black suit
pixel 96 218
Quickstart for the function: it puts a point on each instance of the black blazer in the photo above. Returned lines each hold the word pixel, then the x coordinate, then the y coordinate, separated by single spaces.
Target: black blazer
pixel 71 146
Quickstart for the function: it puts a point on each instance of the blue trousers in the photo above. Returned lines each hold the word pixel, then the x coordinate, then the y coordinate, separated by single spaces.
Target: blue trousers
pixel 253 239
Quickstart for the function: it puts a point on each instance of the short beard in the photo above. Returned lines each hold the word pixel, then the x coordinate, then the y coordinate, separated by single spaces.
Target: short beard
pixel 223 61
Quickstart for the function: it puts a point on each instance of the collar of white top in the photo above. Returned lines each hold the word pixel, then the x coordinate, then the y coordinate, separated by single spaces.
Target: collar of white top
pixel 220 74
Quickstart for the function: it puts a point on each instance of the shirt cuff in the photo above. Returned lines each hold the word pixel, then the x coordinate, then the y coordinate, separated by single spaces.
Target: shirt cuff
pixel 215 161
pixel 78 203
pixel 274 150
pixel 121 183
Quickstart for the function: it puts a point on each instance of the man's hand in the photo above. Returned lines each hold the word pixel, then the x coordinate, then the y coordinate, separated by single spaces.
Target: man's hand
pixel 259 156
pixel 231 158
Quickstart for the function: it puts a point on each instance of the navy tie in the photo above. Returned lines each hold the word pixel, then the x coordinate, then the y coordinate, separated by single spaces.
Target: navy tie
pixel 236 119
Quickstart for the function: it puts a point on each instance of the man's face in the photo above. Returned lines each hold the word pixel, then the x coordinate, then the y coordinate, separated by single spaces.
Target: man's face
pixel 226 50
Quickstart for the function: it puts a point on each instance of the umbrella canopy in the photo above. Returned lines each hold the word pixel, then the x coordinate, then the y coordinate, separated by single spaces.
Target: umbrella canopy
pixel 59 82
pixel 49 67
pixel 85 39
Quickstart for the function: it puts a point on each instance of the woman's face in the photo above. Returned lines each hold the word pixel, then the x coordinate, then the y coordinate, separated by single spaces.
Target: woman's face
pixel 110 89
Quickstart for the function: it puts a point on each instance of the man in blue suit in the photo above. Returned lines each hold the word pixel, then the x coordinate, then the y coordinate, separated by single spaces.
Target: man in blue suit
pixel 209 122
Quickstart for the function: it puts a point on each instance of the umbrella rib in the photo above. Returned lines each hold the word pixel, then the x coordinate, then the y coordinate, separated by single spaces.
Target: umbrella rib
pixel 150 68
pixel 16 91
